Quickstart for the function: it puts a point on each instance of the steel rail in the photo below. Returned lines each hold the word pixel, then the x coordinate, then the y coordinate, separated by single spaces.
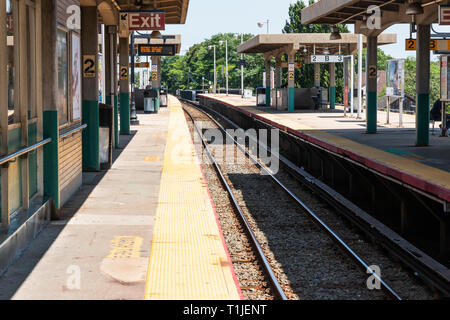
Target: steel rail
pixel 363 265
pixel 23 151
pixel 68 133
pixel 429 270
pixel 266 265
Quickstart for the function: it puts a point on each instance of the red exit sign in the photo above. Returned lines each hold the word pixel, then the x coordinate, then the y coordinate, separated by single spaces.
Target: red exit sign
pixel 444 15
pixel 143 20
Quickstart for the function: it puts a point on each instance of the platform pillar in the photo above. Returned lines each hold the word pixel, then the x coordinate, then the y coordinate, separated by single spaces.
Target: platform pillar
pixel 124 96
pixel 116 83
pixel 50 118
pixel 317 75
pixel 90 109
pixel 423 85
pixel 291 85
pixel 332 85
pixel 268 88
pixel 110 73
pixel 157 82
pixel 371 80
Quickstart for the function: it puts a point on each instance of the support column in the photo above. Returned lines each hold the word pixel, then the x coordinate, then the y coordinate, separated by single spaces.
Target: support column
pixel 268 71
pixel 423 86
pixel 50 102
pixel 5 218
pixel 90 113
pixel 332 85
pixel 124 96
pixel 116 83
pixel 277 78
pixel 291 84
pixel 110 76
pixel 317 75
pixel 371 75
pixel 157 83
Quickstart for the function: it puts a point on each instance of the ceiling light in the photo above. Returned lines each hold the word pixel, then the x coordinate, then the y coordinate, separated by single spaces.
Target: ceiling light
pixel 414 8
pixel 335 35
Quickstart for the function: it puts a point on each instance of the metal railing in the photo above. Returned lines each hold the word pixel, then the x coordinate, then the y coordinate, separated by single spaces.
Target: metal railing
pixel 68 133
pixel 23 151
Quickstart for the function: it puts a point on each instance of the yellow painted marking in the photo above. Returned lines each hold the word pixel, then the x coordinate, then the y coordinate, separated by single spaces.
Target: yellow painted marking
pixel 159 134
pixel 125 247
pixel 188 259
pixel 152 158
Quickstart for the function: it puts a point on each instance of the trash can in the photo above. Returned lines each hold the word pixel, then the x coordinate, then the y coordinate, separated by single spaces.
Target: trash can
pixel 164 97
pixel 150 96
pixel 261 96
pixel 106 114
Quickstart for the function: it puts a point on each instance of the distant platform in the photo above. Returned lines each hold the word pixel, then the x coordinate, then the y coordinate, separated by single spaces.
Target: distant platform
pixel 392 151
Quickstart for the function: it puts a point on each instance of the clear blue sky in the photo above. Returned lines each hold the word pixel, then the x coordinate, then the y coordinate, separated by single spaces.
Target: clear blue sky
pixel 208 17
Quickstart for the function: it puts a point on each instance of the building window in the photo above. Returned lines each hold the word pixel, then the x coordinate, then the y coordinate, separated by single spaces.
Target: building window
pixel 10 66
pixel 63 72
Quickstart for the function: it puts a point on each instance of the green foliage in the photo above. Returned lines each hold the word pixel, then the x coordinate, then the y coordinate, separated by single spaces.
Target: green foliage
pixel 382 58
pixel 187 71
pixel 294 24
pixel 304 77
pixel 410 79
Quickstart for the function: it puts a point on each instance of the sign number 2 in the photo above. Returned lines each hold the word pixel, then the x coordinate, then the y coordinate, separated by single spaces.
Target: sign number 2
pixel 89 66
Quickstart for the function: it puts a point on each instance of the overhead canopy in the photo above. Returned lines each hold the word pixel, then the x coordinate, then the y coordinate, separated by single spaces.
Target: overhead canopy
pixel 283 43
pixel 354 11
pixel 176 10
pixel 176 41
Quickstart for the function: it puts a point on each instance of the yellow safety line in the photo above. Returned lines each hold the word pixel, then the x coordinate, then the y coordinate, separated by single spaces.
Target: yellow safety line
pixel 188 259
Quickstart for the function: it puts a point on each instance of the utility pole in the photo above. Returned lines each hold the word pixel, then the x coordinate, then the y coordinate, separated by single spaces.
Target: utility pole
pixel 242 68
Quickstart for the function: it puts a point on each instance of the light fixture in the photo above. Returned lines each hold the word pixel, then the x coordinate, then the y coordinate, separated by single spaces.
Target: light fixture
pixel 414 8
pixel 260 24
pixel 155 35
pixel 335 35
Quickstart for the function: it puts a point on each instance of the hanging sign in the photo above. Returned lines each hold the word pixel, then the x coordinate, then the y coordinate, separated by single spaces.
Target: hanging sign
pixel 142 20
pixel 316 58
pixel 156 49
pixel 444 15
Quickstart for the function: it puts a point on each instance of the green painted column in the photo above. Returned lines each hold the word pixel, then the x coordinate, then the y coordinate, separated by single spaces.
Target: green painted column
pixel 90 109
pixel 116 123
pixel 51 170
pixel 332 97
pixel 91 135
pixel 332 85
pixel 124 100
pixel 124 95
pixel 268 88
pixel 423 86
pixel 291 96
pixel 291 83
pixel 372 96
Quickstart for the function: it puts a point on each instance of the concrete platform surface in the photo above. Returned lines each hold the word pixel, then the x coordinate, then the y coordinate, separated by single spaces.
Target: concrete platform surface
pixel 392 151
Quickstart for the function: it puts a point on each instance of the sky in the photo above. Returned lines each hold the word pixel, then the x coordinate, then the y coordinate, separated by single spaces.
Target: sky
pixel 208 17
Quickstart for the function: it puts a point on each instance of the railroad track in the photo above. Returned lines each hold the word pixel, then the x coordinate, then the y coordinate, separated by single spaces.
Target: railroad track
pixel 244 205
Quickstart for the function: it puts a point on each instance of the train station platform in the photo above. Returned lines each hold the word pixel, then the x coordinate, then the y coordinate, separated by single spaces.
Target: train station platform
pixel 145 229
pixel 391 152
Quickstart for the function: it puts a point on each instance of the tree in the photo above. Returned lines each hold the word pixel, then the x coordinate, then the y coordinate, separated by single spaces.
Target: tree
pixel 410 79
pixel 305 78
pixel 179 71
